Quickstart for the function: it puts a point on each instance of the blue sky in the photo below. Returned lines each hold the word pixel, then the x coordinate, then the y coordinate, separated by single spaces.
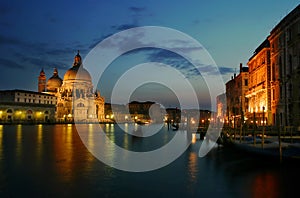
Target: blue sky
pixel 47 34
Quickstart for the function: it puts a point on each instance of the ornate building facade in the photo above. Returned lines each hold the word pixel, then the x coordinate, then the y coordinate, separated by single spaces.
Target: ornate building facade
pixel 285 70
pixel 76 100
pixel 274 78
pixel 259 93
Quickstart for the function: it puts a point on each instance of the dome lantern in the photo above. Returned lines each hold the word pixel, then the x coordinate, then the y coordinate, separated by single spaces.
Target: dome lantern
pixel 77 71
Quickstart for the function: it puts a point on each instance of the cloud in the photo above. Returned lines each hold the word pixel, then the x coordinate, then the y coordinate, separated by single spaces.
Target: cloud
pixel 4 40
pixel 172 59
pixel 124 27
pixel 226 70
pixel 11 64
pixel 57 52
pixel 138 13
pixel 137 9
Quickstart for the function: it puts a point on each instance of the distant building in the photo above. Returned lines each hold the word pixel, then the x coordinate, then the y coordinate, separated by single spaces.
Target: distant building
pixel 144 111
pixel 259 93
pixel 221 108
pixel 285 70
pixel 76 100
pixel 21 106
pixel 237 103
pixel 134 112
pixel 173 115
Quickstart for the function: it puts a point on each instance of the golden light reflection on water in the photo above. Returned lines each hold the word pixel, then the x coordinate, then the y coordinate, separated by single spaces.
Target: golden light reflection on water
pixel 1 141
pixel 91 143
pixel 63 150
pixel 39 147
pixel 266 185
pixel 91 137
pixel 194 138
pixel 125 141
pixel 193 166
pixel 19 142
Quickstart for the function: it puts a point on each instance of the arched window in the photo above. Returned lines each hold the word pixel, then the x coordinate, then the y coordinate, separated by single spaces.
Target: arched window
pixel 80 105
pixel 29 112
pixel 9 111
pixel 46 112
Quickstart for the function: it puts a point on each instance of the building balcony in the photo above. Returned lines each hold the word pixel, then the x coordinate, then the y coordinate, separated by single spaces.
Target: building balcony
pixel 258 89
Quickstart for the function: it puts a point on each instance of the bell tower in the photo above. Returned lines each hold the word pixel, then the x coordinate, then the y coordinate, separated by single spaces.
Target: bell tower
pixel 42 81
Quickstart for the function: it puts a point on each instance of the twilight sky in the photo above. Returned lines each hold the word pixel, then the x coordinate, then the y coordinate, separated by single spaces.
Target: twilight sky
pixel 47 34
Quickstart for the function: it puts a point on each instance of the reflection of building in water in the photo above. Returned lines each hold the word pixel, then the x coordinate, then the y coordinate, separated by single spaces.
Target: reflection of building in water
pixel 26 106
pixel 75 96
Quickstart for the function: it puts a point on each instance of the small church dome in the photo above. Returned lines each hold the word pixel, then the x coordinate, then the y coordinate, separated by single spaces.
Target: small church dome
pixel 54 82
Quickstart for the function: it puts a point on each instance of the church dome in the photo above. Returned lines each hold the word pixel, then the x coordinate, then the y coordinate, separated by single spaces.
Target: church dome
pixel 54 82
pixel 77 71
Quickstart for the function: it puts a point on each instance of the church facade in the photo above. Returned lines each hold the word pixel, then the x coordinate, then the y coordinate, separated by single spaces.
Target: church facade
pixel 76 100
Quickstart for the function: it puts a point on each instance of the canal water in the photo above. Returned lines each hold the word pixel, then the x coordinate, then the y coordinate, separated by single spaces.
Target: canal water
pixel 52 161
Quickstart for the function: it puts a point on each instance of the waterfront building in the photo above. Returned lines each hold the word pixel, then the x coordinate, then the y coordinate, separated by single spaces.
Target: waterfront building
pixel 237 103
pixel 76 100
pixel 285 70
pixel 221 108
pixel 134 112
pixel 21 106
pixel 259 88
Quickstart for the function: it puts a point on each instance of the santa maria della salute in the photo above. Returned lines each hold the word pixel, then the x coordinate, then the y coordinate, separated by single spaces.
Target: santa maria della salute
pixel 71 99
pixel 76 100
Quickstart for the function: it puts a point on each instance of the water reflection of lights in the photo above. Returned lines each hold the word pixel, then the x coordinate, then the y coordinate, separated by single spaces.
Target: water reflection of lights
pixel 193 166
pixel 194 138
pixel 19 142
pixel 265 185
pixel 1 140
pixel 64 151
pixel 39 146
pixel 90 136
